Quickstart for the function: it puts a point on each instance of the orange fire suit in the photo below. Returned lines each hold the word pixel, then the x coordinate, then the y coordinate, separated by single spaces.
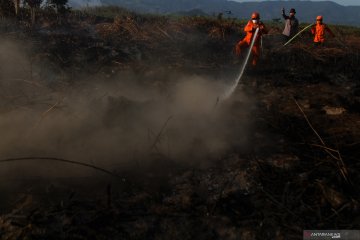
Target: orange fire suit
pixel 246 41
pixel 319 32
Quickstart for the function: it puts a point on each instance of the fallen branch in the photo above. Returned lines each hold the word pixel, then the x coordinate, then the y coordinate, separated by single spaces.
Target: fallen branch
pixel 59 160
pixel 328 150
pixel 51 108
pixel 157 139
pixel 165 33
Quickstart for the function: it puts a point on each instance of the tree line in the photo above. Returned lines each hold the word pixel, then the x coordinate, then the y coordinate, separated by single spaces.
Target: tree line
pixel 14 8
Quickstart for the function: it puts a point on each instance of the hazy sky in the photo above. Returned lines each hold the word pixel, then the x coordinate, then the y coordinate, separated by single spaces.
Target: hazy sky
pixel 342 2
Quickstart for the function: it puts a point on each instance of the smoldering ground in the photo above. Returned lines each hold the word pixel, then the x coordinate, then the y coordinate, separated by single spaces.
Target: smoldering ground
pixel 113 123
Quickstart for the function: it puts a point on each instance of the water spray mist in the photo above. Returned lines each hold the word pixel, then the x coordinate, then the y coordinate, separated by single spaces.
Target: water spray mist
pixel 232 88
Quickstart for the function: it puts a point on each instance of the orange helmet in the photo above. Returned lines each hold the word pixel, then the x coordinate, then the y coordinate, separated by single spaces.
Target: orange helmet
pixel 255 15
pixel 319 18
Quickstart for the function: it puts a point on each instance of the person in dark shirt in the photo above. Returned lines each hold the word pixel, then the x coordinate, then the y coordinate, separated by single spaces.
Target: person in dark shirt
pixel 291 24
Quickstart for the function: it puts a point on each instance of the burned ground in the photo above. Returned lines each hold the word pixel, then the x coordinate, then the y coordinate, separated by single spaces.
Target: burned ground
pixel 139 96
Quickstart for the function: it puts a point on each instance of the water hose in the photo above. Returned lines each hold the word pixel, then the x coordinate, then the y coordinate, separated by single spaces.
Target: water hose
pixel 340 42
pixel 228 93
pixel 291 39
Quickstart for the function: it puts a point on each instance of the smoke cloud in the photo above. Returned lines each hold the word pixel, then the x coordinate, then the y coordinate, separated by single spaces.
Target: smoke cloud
pixel 112 123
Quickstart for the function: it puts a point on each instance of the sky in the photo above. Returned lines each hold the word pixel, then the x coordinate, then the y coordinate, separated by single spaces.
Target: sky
pixel 341 2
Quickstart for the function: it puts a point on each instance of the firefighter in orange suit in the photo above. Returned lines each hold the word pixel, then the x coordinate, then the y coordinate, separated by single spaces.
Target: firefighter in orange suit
pixel 250 29
pixel 319 29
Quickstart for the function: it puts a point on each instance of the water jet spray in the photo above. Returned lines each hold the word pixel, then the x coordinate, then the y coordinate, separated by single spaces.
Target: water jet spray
pixel 230 91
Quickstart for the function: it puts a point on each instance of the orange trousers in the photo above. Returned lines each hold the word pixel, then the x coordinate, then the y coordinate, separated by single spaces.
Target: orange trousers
pixel 255 51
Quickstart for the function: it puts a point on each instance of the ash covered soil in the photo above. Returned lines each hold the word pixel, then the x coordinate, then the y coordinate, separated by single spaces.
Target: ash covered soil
pixel 141 97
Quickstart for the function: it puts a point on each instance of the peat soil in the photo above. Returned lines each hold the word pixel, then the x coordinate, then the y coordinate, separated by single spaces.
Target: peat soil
pixel 298 167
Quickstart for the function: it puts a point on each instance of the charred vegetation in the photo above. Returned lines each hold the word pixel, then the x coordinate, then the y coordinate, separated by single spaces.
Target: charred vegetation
pixel 137 95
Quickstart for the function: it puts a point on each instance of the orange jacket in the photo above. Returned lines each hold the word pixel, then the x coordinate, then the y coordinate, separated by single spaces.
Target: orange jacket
pixel 319 31
pixel 250 30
